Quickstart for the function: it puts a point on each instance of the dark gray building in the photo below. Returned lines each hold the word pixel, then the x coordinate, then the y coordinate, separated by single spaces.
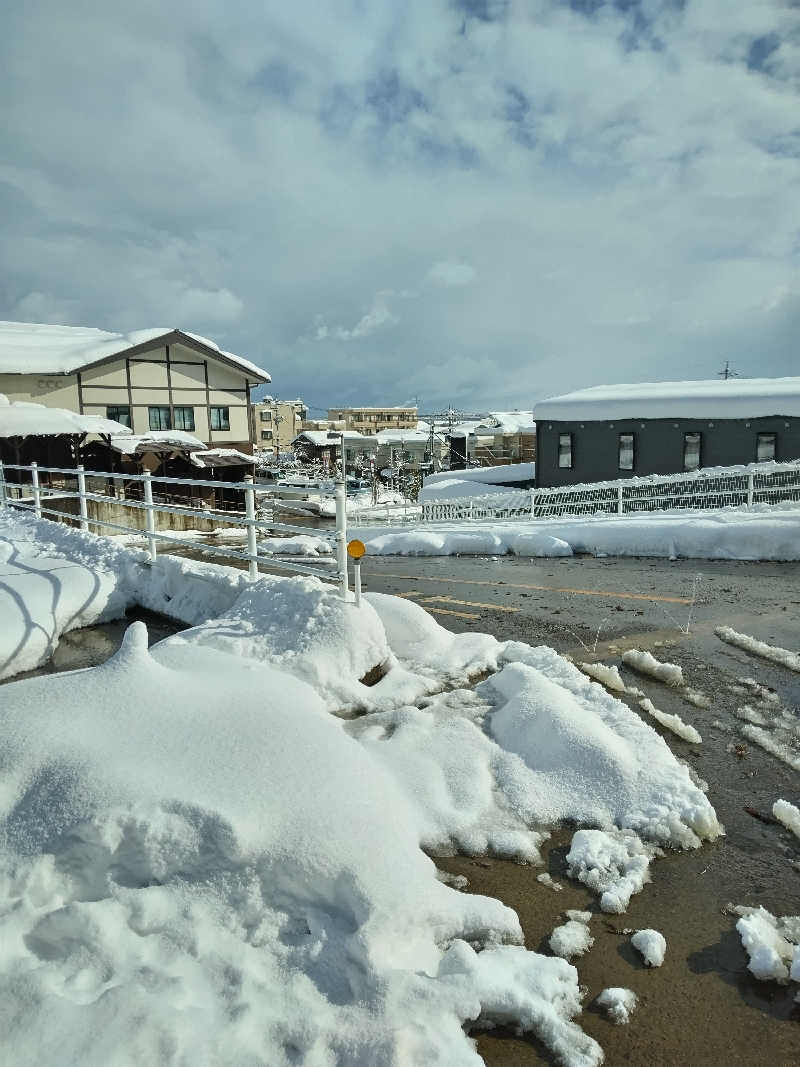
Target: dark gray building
pixel 619 431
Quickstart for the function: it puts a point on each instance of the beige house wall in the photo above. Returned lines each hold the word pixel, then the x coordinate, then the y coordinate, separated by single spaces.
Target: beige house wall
pixel 371 420
pixel 283 419
pixel 52 390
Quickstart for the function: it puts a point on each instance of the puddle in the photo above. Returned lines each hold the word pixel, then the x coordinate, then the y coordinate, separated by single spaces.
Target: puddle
pixel 92 645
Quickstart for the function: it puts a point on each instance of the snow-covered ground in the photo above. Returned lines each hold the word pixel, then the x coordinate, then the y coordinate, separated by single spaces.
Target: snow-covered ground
pixel 759 533
pixel 205 852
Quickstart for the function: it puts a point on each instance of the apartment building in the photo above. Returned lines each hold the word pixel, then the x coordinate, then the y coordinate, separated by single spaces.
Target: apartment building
pixel 147 380
pixel 372 420
pixel 277 423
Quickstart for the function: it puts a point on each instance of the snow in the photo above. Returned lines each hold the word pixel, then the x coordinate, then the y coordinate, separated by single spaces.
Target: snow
pixel 619 1004
pixel 222 457
pixel 772 944
pixel 34 348
pixel 615 864
pixel 129 443
pixel 763 532
pixel 774 745
pixel 672 722
pixel 787 814
pixel 652 945
pixel 454 487
pixel 466 539
pixel 781 656
pixel 739 398
pixel 606 675
pixel 21 419
pixel 549 881
pixel 508 472
pixel 646 663
pixel 508 422
pixel 573 938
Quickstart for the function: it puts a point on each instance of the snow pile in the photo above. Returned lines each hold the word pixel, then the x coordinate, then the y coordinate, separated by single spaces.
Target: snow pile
pixel 456 487
pixel 788 815
pixel 573 938
pixel 672 722
pixel 619 1004
pixel 298 545
pixel 652 945
pixel 772 945
pixel 615 864
pixel 466 539
pixel 646 663
pixel 781 656
pixel 606 675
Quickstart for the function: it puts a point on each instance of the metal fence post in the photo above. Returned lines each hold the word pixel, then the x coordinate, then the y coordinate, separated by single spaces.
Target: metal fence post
pixel 750 481
pixel 341 535
pixel 250 512
pixel 82 498
pixel 3 497
pixel 149 517
pixel 37 493
pixel 357 581
pixel 619 500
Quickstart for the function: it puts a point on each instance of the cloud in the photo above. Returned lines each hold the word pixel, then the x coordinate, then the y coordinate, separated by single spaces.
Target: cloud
pixel 620 178
pixel 449 273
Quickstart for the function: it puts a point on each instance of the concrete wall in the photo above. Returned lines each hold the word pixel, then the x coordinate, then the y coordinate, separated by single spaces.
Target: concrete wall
pixel 114 511
pixel 658 446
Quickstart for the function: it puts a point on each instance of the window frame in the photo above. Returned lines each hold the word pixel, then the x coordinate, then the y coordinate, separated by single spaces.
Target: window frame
pixel 694 434
pixel 160 408
pixel 265 416
pixel 223 415
pixel 570 465
pixel 183 408
pixel 759 437
pixel 267 435
pixel 632 465
pixel 116 417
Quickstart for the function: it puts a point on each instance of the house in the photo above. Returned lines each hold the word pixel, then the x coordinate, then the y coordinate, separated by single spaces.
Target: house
pixel 372 420
pixel 619 431
pixel 148 380
pixel 505 437
pixel 409 450
pixel 324 446
pixel 277 423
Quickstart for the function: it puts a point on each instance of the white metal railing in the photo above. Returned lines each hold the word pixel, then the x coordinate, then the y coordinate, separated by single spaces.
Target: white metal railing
pixel 717 487
pixel 28 492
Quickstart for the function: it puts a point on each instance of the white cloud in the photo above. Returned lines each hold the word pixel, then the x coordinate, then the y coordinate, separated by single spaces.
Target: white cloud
pixel 208 305
pixel 378 316
pixel 449 273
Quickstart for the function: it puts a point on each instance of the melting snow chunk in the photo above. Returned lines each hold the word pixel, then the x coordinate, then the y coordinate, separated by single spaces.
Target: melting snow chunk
pixel 646 663
pixel 652 945
pixel 619 1004
pixel 573 938
pixel 772 945
pixel 759 648
pixel 788 814
pixel 607 675
pixel 672 722
pixel 615 864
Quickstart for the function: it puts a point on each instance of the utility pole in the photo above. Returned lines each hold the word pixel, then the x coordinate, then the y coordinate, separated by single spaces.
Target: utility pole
pixel 727 371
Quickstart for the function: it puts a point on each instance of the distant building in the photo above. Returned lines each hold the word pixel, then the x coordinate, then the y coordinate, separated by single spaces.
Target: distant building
pixel 149 380
pixel 504 437
pixel 372 420
pixel 620 431
pixel 277 424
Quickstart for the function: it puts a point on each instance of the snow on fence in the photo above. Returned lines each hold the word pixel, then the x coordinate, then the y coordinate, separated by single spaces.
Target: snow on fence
pixel 717 487
pixel 28 493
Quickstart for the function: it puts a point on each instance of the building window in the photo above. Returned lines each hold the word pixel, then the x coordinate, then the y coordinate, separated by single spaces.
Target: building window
pixel 565 451
pixel 765 447
pixel 626 451
pixel 691 451
pixel 266 416
pixel 159 418
pixel 183 418
pixel 266 435
pixel 220 419
pixel 120 413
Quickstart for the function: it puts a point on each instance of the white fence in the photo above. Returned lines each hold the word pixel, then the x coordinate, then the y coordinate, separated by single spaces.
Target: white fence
pixel 717 487
pixel 28 491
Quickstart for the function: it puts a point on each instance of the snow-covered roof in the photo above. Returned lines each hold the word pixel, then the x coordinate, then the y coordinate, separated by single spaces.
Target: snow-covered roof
pixel 734 398
pixel 35 348
pixel 156 441
pixel 35 420
pixel 508 422
pixel 221 457
pixel 317 437
pixel 396 437
pixel 506 472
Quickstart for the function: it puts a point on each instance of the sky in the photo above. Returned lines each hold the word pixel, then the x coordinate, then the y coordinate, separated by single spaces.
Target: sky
pixel 470 202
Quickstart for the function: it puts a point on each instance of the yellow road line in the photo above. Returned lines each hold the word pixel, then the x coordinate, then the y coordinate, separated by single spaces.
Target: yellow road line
pixel 543 588
pixel 460 614
pixel 466 603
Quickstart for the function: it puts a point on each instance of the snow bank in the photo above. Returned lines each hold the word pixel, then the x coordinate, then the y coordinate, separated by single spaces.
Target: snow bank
pixel 456 487
pixel 615 864
pixel 619 1004
pixel 646 663
pixel 606 675
pixel 781 656
pixel 467 539
pixel 652 946
pixel 772 945
pixel 672 722
pixel 507 472
pixel 787 814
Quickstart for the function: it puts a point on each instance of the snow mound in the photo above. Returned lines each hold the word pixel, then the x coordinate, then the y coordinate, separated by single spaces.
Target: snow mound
pixel 587 756
pixel 606 675
pixel 787 814
pixel 772 945
pixel 646 663
pixel 652 946
pixel 614 864
pixel 773 653
pixel 672 722
pixel 619 1004
pixel 463 539
pixel 571 939
pixel 298 545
